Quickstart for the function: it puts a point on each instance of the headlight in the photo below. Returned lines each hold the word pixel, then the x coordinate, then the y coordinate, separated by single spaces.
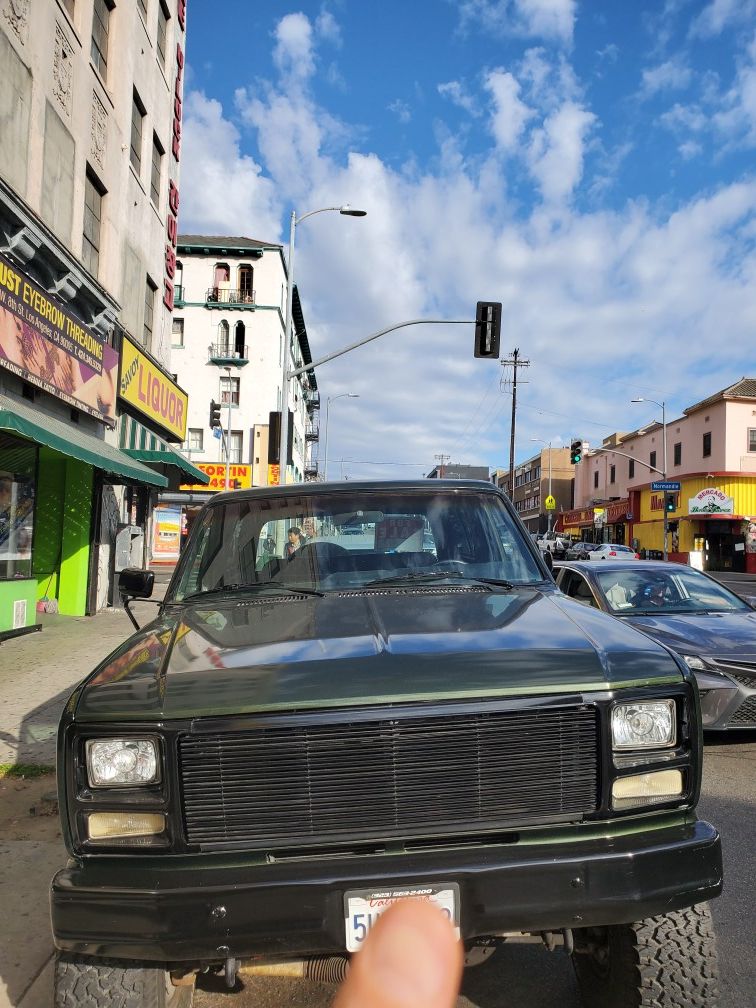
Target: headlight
pixel 694 662
pixel 122 762
pixel 647 789
pixel 646 724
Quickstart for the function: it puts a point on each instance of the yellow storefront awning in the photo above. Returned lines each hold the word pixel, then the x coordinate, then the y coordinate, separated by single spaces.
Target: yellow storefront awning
pixel 19 418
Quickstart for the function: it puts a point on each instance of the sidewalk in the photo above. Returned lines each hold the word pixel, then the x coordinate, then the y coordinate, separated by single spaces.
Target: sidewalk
pixel 37 674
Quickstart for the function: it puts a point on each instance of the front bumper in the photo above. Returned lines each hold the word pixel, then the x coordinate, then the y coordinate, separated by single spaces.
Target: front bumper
pixel 201 909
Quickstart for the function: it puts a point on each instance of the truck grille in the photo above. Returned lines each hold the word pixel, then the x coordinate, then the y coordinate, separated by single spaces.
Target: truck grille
pixel 292 786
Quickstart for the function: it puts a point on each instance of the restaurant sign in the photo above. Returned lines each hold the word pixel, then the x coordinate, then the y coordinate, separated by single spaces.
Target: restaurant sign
pixel 239 477
pixel 150 391
pixel 711 501
pixel 46 345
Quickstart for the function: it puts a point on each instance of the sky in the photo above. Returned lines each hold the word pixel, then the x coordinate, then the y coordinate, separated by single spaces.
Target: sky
pixel 590 165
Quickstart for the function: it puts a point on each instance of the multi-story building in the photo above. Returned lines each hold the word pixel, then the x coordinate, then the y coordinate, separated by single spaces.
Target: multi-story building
pixel 90 102
pixel 710 453
pixel 547 473
pixel 228 345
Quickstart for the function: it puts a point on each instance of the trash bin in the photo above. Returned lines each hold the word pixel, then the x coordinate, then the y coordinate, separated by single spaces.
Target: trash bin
pixel 642 554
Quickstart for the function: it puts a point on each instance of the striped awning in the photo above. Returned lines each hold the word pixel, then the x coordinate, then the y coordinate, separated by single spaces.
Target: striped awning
pixel 138 442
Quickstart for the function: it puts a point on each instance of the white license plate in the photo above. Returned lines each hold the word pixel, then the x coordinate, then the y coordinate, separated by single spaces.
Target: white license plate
pixel 363 907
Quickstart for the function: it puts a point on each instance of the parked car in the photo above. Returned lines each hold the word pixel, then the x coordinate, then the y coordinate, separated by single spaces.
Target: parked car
pixel 710 627
pixel 553 543
pixel 292 745
pixel 612 551
pixel 580 550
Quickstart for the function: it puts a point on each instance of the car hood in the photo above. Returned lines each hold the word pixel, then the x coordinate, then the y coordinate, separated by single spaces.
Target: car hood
pixel 292 653
pixel 722 634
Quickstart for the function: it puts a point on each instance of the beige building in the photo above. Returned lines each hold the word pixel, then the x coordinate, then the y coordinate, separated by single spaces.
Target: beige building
pixel 91 107
pixel 547 472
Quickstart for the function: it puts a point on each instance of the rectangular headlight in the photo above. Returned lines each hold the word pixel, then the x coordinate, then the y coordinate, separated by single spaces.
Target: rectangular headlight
pixel 647 789
pixel 644 724
pixel 122 762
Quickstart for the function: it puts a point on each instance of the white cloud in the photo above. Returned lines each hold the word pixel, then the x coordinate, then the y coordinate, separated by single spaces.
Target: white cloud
pixel 293 54
pixel 509 114
pixel 401 110
pixel 720 14
pixel 556 151
pixel 328 28
pixel 458 95
pixel 549 19
pixel 672 75
pixel 690 149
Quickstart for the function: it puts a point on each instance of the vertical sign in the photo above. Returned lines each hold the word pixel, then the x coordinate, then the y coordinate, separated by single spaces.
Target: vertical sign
pixel 171 218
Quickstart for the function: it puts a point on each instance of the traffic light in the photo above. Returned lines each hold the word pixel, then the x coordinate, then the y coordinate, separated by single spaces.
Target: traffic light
pixel 215 420
pixel 487 328
pixel 576 452
pixel 670 502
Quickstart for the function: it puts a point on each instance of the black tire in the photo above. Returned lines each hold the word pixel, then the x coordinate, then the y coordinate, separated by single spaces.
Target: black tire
pixel 90 982
pixel 661 962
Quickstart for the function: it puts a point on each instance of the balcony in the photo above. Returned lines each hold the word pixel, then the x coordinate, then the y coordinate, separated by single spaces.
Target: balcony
pixel 311 470
pixel 178 294
pixel 225 355
pixel 312 400
pixel 238 298
pixel 312 432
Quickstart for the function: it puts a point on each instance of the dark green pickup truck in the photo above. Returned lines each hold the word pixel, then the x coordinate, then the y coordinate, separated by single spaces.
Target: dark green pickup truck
pixel 297 741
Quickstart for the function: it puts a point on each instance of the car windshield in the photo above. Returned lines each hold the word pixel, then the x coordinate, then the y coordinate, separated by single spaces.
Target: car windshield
pixel 334 540
pixel 677 590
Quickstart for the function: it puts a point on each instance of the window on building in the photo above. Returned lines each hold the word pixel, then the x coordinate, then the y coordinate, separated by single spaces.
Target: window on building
pixel 236 447
pixel 224 343
pixel 100 32
pixel 150 290
pixel 537 473
pixel 137 121
pixel 157 170
pixel 221 274
pixel 142 5
pixel 613 474
pixel 677 453
pixel 245 274
pixel 229 391
pixel 196 442
pixel 631 469
pixel 177 332
pixel 595 479
pixel 240 333
pixel 752 440
pixel 18 472
pixel 707 444
pixel 652 459
pixel 90 244
pixel 162 32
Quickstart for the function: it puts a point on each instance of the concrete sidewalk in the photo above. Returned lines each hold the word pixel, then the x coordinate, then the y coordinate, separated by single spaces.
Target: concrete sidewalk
pixel 37 674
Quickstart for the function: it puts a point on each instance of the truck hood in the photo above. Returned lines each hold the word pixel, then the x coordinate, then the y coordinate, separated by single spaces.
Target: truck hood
pixel 253 654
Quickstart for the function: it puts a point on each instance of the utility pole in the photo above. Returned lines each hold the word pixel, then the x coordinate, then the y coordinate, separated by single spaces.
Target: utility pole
pixel 515 363
pixel 442 460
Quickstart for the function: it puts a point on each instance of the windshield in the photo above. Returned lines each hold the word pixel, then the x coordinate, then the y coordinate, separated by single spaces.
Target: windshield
pixel 679 590
pixel 328 541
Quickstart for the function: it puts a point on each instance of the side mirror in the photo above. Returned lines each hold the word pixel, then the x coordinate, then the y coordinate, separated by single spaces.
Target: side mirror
pixel 135 583
pixel 749 600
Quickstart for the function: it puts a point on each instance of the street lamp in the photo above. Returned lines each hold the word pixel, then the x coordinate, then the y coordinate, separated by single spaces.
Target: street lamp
pixel 548 510
pixel 329 400
pixel 662 407
pixel 283 444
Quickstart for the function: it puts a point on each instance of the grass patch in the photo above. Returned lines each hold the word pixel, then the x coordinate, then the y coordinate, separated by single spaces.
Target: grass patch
pixel 25 770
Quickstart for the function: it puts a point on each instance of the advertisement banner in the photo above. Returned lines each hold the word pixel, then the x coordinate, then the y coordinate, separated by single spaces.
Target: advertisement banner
pixel 46 345
pixel 166 534
pixel 239 477
pixel 152 392
pixel 711 501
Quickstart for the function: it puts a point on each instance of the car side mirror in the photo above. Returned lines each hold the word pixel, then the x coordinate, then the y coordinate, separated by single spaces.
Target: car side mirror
pixel 750 600
pixel 134 583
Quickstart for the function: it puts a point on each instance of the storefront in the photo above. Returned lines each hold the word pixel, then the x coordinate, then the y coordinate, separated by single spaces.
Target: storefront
pixel 599 523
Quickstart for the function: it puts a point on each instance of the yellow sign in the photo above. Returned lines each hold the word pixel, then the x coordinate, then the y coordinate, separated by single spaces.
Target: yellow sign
pixel 239 477
pixel 151 391
pixel 274 475
pixel 550 503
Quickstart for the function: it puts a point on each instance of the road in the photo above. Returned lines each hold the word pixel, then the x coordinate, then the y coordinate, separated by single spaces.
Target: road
pixel 529 977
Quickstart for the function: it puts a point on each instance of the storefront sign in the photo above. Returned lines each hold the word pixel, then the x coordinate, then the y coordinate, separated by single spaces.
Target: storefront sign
pixel 150 391
pixel 239 477
pixel 274 474
pixel 711 501
pixel 43 343
pixel 171 217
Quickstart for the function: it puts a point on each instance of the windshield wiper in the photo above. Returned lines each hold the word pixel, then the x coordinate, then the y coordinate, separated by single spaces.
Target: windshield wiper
pixel 420 576
pixel 252 587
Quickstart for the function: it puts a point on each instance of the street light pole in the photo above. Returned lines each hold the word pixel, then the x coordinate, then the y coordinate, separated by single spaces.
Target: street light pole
pixel 228 430
pixel 283 442
pixel 662 407
pixel 329 400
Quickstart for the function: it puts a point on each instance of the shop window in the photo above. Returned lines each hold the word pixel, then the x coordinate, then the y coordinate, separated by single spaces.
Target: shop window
pixel 752 440
pixel 196 439
pixel 612 474
pixel 18 467
pixel 631 469
pixel 177 332
pixel 707 444
pixel 157 170
pixel 90 244
pixel 138 112
pixel 652 459
pixel 677 454
pixel 162 32
pixel 595 479
pixel 100 32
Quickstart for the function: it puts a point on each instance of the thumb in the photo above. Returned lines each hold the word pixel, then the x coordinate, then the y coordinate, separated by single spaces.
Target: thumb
pixel 411 959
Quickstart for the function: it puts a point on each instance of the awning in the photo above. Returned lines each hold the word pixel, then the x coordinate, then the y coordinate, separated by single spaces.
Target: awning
pixel 69 440
pixel 140 443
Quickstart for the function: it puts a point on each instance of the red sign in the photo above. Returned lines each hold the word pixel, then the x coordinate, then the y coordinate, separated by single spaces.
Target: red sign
pixel 171 220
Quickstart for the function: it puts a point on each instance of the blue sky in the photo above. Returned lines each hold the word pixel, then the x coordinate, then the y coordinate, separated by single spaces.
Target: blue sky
pixel 589 164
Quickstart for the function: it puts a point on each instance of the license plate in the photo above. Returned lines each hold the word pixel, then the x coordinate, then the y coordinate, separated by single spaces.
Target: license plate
pixel 363 907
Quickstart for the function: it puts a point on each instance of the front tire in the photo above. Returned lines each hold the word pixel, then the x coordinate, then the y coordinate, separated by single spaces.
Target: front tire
pixel 91 982
pixel 662 962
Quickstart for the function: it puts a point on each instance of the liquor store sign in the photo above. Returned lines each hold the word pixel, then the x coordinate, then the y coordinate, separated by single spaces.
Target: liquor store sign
pixel 147 388
pixel 239 477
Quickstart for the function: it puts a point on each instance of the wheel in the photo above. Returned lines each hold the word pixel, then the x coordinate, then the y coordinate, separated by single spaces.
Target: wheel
pixel 90 982
pixel 662 962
